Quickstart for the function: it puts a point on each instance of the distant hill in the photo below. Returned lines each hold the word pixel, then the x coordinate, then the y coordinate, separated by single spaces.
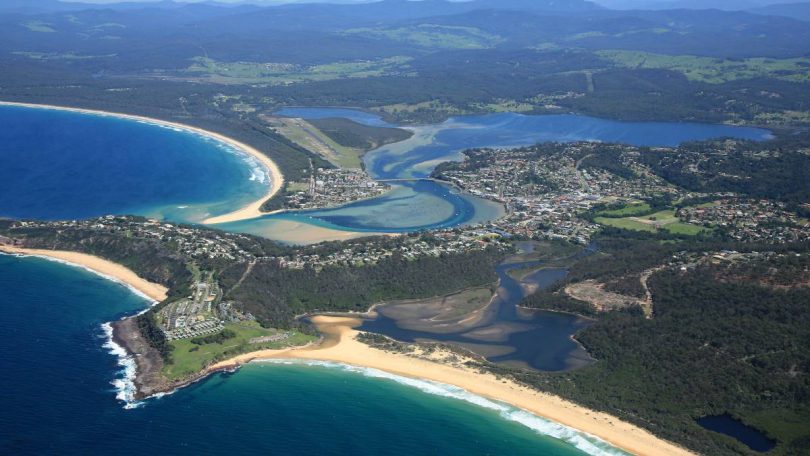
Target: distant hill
pixel 726 5
pixel 799 11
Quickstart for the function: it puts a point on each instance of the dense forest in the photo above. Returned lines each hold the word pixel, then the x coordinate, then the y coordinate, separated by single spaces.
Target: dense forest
pixel 449 58
pixel 714 346
pixel 275 295
pixel 776 169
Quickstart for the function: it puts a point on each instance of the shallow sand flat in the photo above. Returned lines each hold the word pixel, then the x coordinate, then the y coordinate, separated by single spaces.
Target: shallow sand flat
pixel 301 233
pixel 250 211
pixel 341 346
pixel 101 266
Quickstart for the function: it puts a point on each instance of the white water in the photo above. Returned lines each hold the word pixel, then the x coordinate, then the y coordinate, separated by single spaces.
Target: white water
pixel 587 443
pixel 124 382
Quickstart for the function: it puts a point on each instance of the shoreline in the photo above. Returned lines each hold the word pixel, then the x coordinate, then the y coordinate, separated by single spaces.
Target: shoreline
pixel 97 265
pixel 340 346
pixel 250 211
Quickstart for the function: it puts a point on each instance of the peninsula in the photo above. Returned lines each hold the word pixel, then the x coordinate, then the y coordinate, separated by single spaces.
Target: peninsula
pixel 100 266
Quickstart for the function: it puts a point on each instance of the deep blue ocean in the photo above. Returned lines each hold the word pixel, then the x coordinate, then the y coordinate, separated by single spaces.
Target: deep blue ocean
pixel 61 165
pixel 57 394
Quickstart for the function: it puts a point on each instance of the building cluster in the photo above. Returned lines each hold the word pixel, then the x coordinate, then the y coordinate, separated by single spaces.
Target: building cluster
pixel 753 220
pixel 362 253
pixel 196 243
pixel 200 314
pixel 333 187
pixel 544 193
pixel 190 242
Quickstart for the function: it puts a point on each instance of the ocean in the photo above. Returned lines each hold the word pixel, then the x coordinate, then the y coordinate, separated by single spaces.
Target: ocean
pixel 61 381
pixel 59 165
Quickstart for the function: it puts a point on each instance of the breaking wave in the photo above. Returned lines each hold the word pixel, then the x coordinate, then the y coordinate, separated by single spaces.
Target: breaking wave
pixel 587 443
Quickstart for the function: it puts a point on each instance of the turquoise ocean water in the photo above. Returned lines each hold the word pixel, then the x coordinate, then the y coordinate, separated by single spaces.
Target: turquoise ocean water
pixel 60 165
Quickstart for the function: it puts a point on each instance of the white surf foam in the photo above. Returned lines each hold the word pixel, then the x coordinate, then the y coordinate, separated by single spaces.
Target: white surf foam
pixel 124 383
pixel 585 442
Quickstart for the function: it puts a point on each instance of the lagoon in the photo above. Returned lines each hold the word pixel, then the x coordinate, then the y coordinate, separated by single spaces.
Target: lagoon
pixel 425 204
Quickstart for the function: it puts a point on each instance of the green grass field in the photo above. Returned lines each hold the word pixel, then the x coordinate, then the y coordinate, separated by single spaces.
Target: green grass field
pixel 311 138
pixel 275 73
pixel 714 70
pixel 664 220
pixel 188 358
pixel 632 209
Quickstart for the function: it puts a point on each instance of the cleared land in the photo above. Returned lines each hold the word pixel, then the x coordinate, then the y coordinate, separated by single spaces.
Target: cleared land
pixel 311 138
pixel 714 70
pixel 661 220
pixel 189 358
pixel 279 73
pixel 351 134
pixel 594 293
pixel 434 36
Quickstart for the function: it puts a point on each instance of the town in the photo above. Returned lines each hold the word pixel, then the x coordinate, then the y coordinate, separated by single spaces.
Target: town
pixel 332 187
pixel 550 190
pixel 207 245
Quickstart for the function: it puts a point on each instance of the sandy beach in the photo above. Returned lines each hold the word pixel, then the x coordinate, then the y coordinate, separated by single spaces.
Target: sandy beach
pixel 250 211
pixel 341 346
pixel 99 265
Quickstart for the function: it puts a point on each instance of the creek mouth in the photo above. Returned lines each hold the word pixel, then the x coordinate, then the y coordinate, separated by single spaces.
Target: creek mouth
pixel 500 331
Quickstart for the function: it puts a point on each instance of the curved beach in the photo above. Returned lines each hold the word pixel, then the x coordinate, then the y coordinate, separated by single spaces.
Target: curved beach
pixel 341 346
pixel 249 211
pixel 105 268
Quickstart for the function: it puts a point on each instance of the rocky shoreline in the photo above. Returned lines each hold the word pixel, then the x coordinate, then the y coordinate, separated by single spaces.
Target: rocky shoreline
pixel 149 380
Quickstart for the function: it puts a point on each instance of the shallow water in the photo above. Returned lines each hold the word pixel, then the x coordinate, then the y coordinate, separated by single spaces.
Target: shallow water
pixel 419 205
pixel 504 333
pixel 726 424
